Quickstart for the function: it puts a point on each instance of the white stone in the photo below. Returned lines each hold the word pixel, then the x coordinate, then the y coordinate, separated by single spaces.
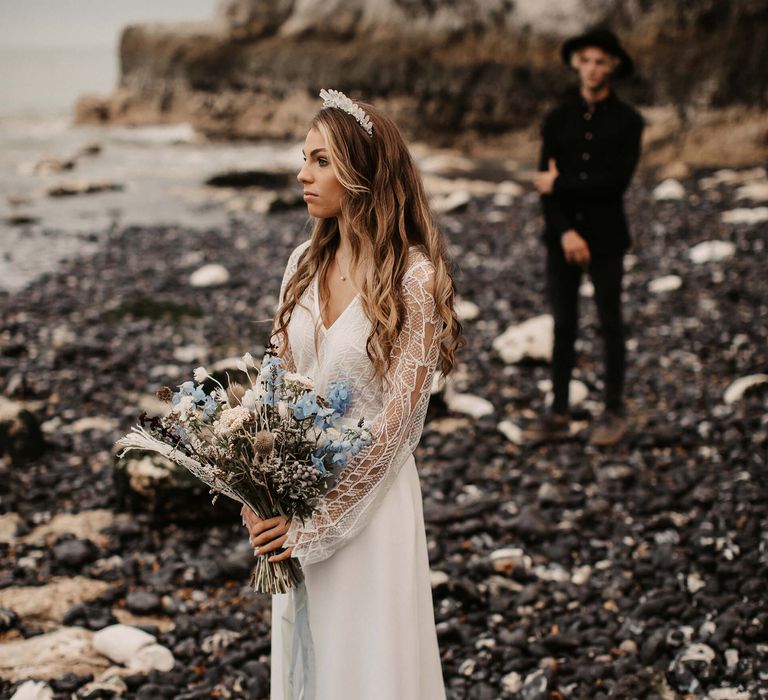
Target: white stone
pixel 438 578
pixel 711 251
pixel 32 690
pixel 669 189
pixel 468 404
pixel 552 572
pixel 694 582
pixel 50 602
pixel 697 653
pixel 211 275
pixel 62 335
pixel 154 657
pixel 121 643
pixel 9 522
pixel 731 658
pixel 587 289
pixel 738 387
pixel 66 650
pixel 189 353
pixel 512 682
pixel 99 424
pixel 668 283
pixel 581 575
pixel 145 473
pixel 506 560
pixel 728 694
pixel 445 164
pixel 530 339
pixel 466 310
pixel 756 191
pixel 744 215
pixel 451 202
pixel 467 667
pixel 87 524
pixel 511 431
pixel 577 391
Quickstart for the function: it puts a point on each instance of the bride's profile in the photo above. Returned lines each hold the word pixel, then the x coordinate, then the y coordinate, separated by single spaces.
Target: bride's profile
pixel 368 299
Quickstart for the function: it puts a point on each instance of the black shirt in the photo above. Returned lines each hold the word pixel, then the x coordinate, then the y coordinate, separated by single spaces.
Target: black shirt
pixel 596 151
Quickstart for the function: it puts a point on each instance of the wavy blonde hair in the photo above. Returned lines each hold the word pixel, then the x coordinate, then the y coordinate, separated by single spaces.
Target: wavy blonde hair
pixel 385 211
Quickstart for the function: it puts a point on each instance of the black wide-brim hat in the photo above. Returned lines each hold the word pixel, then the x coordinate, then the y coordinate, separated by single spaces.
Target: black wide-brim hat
pixel 602 39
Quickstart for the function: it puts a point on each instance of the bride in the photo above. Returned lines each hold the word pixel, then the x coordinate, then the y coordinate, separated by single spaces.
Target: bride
pixel 368 299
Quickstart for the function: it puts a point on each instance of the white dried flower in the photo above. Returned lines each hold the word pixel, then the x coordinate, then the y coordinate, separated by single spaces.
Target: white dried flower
pixel 200 374
pixel 231 420
pixel 248 359
pixel 299 379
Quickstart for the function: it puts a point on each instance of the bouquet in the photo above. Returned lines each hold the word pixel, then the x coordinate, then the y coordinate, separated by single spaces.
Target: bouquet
pixel 272 446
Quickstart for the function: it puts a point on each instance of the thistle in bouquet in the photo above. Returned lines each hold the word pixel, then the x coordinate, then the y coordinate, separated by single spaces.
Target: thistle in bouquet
pixel 273 446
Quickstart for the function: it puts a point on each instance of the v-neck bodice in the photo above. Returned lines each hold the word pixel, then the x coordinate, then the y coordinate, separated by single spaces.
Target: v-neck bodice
pixel 316 284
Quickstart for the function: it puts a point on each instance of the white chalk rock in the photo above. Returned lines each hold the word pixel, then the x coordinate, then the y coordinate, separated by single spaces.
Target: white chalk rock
pixel 506 560
pixel 468 404
pixel 711 251
pixel 154 657
pixel 668 283
pixel 451 202
pixel 756 191
pixel 531 339
pixel 466 310
pixel 745 215
pixel 121 643
pixel 577 391
pixel 438 578
pixel 669 190
pixel 32 690
pixel 728 694
pixel 511 431
pixel 736 389
pixel 512 682
pixel 211 275
pixel 189 353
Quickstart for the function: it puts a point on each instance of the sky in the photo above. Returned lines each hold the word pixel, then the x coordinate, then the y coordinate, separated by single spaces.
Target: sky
pixel 86 23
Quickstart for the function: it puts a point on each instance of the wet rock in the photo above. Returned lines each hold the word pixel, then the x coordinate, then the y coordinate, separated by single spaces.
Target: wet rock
pixel 531 523
pixel 85 525
pixel 468 404
pixel 466 310
pixel 253 178
pixel 511 431
pixel 212 275
pixel 142 602
pixel 75 553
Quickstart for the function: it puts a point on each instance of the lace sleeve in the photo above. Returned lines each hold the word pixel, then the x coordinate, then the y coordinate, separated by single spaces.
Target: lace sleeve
pixel 349 505
pixel 290 270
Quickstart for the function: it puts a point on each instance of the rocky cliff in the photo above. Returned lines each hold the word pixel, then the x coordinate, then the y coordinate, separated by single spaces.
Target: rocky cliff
pixel 449 71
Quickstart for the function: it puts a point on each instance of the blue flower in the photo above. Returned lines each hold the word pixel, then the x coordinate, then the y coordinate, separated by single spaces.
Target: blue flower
pixel 271 397
pixel 338 396
pixel 340 458
pixel 306 406
pixel 209 407
pixel 318 462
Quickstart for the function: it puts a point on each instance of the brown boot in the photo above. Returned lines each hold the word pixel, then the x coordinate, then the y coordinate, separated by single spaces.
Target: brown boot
pixel 608 430
pixel 551 426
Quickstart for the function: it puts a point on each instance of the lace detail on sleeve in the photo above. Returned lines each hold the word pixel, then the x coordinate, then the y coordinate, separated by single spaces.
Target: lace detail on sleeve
pixel 290 270
pixel 396 430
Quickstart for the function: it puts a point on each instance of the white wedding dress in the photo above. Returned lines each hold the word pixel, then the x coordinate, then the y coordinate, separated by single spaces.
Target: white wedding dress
pixel 367 595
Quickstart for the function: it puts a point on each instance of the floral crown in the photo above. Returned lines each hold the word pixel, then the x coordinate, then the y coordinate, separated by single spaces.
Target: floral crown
pixel 334 98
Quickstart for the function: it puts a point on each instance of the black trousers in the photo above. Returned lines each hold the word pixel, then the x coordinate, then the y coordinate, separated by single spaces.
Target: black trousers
pixel 563 281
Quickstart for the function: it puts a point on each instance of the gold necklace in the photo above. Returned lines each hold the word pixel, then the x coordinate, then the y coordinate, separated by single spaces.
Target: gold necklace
pixel 341 274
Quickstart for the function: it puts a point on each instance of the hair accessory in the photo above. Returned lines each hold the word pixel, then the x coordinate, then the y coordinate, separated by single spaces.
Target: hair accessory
pixel 334 98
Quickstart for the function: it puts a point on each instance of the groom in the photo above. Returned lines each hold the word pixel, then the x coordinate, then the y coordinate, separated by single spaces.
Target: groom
pixel 591 145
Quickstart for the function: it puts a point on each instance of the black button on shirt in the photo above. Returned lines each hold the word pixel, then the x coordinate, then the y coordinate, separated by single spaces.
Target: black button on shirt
pixel 592 178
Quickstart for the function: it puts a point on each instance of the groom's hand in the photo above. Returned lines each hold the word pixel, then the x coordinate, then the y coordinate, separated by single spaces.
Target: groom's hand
pixel 575 248
pixel 267 535
pixel 544 181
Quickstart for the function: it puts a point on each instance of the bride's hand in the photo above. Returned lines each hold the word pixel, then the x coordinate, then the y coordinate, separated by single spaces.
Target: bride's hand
pixel 267 535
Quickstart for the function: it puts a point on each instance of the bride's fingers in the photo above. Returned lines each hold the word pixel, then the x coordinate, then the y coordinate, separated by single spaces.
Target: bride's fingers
pixel 269 535
pixel 285 554
pixel 273 545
